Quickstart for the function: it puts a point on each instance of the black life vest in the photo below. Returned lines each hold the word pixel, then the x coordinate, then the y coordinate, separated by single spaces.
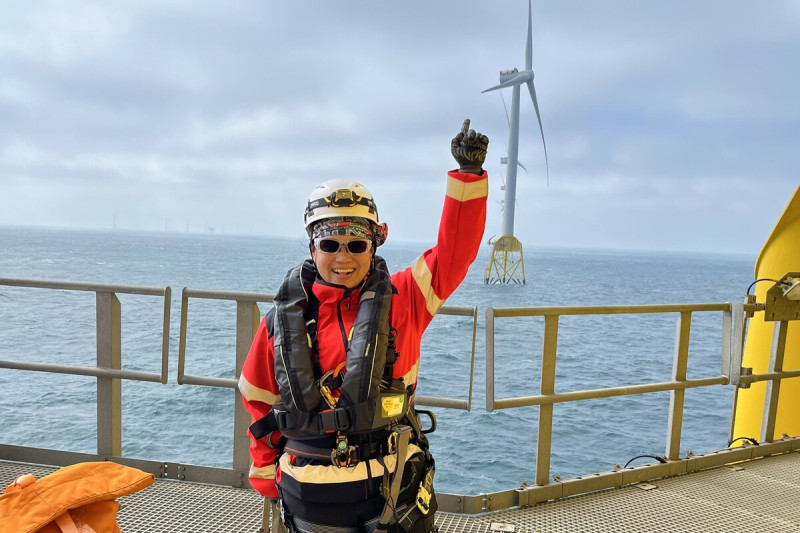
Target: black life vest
pixel 369 398
pixel 371 405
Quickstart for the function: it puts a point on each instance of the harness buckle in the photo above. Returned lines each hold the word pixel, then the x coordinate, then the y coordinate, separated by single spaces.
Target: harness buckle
pixel 424 494
pixel 331 420
pixel 344 454
pixel 281 419
pixel 424 500
pixel 391 443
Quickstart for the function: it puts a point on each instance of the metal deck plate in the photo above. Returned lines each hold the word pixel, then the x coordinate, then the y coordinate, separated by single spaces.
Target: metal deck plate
pixel 759 495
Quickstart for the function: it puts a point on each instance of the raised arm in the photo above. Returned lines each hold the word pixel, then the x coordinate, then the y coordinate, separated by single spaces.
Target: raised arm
pixel 438 272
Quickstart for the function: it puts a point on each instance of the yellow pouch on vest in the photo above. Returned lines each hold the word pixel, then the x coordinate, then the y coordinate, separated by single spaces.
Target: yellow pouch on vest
pixel 74 499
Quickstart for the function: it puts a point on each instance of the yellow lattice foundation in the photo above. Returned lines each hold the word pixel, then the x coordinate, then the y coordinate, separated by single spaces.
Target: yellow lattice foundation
pixel 506 264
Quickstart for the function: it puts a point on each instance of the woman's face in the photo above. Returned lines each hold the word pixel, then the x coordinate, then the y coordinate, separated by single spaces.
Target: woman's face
pixel 341 267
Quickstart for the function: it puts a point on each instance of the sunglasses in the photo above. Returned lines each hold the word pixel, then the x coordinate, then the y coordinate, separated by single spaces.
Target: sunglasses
pixel 331 246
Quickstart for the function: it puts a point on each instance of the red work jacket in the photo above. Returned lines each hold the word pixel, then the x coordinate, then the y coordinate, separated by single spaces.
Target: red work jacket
pixel 421 289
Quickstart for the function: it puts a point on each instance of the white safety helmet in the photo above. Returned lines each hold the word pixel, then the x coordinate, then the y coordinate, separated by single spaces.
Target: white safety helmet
pixel 340 198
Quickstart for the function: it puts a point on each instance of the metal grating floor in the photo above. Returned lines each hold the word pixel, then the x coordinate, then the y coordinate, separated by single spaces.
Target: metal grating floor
pixel 759 495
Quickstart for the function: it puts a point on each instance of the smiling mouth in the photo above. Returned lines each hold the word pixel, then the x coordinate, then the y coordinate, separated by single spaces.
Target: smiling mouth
pixel 343 271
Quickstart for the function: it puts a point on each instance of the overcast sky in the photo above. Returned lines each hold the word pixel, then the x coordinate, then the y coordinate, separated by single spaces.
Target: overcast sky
pixel 670 125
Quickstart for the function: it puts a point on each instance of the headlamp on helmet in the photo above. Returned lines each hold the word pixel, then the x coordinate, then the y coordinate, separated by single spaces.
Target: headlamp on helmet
pixel 343 198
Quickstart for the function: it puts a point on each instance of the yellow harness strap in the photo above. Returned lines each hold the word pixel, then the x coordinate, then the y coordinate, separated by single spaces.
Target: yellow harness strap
pixel 400 436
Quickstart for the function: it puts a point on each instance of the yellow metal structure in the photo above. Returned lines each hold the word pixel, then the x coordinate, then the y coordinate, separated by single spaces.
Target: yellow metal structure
pixel 780 255
pixel 507 264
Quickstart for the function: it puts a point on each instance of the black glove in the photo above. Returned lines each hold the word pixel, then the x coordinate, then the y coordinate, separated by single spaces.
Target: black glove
pixel 469 149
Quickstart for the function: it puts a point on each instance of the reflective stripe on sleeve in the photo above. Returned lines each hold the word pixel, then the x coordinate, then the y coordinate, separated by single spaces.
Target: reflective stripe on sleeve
pixel 253 393
pixel 422 276
pixel 463 191
pixel 411 376
pixel 265 472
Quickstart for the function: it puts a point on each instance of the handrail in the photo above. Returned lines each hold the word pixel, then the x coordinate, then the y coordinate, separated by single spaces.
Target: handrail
pixel 251 298
pixel 247 320
pixel 548 397
pixel 108 370
pixel 453 403
pixel 94 372
pixel 82 286
pixel 606 309
pixel 102 324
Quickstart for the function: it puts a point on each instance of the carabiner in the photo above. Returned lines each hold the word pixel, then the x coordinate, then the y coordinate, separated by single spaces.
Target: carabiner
pixel 344 455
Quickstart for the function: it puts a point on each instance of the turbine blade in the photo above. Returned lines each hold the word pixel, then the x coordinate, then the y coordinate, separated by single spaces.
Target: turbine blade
pixel 532 90
pixel 508 120
pixel 519 79
pixel 522 166
pixel 529 44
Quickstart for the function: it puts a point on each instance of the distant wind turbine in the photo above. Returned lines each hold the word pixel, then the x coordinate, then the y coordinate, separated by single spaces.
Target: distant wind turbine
pixel 501 269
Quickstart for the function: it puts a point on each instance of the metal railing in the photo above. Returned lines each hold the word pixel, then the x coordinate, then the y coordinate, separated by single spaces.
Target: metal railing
pixel 248 317
pixel 108 372
pixel 548 396
pixel 545 489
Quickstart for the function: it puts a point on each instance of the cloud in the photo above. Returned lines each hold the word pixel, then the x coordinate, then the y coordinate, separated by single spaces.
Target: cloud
pixel 675 117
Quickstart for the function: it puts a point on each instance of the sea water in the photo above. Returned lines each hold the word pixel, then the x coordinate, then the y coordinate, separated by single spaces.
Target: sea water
pixel 476 451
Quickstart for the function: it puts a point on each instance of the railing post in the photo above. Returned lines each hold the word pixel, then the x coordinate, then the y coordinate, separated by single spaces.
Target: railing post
pixel 737 353
pixel 545 436
pixel 472 357
pixel 677 397
pixel 727 346
pixel 182 335
pixel 773 391
pixel 737 349
pixel 489 359
pixel 165 336
pixel 248 318
pixel 109 390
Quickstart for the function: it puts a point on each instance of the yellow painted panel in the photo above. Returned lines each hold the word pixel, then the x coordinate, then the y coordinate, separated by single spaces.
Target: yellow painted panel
pixel 780 254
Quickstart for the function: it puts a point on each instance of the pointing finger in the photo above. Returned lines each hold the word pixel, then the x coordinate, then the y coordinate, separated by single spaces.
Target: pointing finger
pixel 465 126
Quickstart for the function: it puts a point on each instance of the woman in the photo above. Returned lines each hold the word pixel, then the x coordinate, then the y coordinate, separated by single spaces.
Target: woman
pixel 330 376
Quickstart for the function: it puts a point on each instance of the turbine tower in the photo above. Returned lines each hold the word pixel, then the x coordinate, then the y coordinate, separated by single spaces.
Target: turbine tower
pixel 507 264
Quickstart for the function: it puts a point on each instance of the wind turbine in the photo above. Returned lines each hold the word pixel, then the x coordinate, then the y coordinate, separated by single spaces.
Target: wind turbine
pixel 507 264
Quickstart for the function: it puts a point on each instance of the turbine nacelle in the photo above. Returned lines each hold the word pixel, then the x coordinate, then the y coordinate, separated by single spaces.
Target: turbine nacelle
pixel 506 75
pixel 513 78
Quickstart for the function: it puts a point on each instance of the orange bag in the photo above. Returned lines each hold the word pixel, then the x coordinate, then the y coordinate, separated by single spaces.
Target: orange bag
pixel 73 499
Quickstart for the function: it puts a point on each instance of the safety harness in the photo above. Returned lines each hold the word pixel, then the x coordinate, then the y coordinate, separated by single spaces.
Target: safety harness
pixel 369 398
pixel 372 408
